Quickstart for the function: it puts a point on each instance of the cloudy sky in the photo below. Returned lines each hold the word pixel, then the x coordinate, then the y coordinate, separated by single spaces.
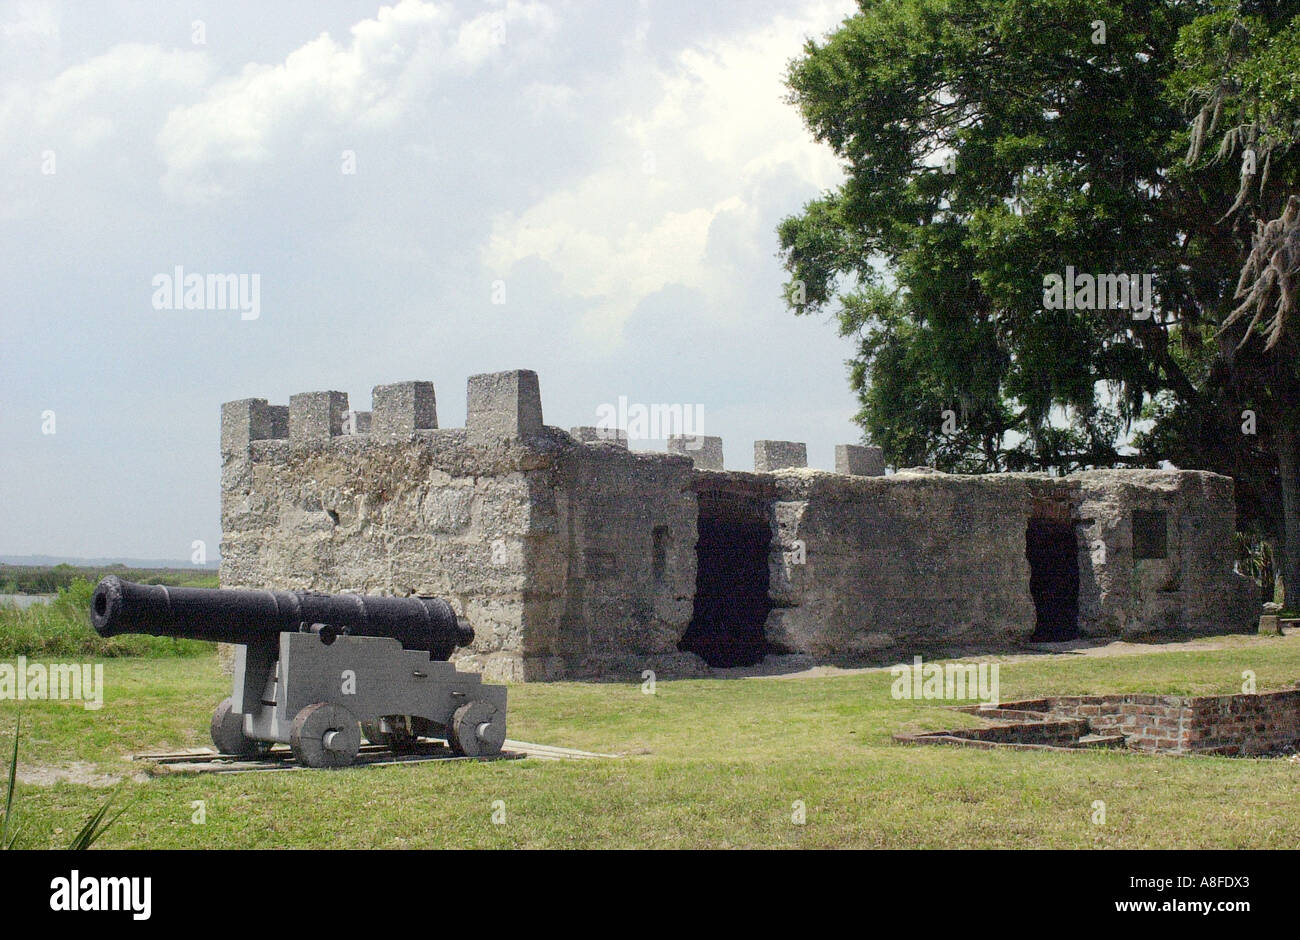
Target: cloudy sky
pixel 613 171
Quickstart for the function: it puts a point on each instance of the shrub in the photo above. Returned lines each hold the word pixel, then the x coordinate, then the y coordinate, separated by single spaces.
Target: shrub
pixel 61 630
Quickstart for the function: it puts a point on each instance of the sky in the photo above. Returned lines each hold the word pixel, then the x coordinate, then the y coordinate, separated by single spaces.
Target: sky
pixel 424 190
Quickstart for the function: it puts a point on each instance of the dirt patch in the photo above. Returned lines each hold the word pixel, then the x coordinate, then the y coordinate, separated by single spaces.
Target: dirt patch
pixel 78 772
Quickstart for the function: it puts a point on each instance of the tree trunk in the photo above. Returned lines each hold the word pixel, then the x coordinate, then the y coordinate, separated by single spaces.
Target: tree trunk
pixel 1267 571
pixel 1288 472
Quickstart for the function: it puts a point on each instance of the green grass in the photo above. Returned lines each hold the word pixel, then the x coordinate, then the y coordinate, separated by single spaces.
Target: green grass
pixel 60 631
pixel 708 763
pixel 49 579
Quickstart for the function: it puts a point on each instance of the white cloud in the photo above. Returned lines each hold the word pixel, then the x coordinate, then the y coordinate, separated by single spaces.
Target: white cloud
pixel 30 24
pixel 547 99
pixel 373 278
pixel 641 220
pixel 98 116
pixel 371 84
pixel 128 81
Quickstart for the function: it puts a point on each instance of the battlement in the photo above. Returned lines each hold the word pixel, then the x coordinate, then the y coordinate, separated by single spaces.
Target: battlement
pixel 571 554
pixel 500 407
pixel 779 455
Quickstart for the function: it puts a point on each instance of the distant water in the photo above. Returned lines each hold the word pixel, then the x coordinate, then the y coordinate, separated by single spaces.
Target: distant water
pixel 23 601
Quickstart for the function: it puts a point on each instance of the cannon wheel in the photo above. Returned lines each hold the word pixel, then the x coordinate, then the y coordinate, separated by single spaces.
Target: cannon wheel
pixel 228 733
pixel 476 730
pixel 400 737
pixel 325 735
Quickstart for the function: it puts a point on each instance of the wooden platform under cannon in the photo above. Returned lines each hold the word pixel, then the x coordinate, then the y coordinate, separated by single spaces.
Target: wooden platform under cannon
pixel 205 760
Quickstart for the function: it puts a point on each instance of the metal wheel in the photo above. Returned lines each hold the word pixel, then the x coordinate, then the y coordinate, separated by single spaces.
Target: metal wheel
pixel 399 735
pixel 477 730
pixel 325 735
pixel 228 733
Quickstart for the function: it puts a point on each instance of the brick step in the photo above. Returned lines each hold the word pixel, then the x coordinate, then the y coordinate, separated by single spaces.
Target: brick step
pixel 1102 740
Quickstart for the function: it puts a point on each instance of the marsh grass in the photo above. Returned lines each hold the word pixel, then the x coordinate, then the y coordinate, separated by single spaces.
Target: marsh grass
pixel 61 631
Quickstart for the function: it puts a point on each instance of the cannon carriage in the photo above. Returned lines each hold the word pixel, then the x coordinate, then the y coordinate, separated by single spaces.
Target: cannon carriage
pixel 319 671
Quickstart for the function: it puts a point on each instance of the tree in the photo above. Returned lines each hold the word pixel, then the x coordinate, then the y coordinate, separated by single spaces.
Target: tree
pixel 1238 64
pixel 991 146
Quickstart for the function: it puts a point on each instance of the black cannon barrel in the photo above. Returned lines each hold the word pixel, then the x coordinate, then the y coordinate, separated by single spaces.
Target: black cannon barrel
pixel 234 616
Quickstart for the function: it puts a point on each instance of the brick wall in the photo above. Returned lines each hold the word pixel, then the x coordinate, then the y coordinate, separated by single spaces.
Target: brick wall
pixel 1053 733
pixel 1211 724
pixel 1243 724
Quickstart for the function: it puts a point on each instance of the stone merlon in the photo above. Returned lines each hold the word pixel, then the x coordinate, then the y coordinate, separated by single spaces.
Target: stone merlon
pixel 779 455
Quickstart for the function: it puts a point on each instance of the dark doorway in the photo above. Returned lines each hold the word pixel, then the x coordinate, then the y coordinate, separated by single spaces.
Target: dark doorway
pixel 1053 553
pixel 731 582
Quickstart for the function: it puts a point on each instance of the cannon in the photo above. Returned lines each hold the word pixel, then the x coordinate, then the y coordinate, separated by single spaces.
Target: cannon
pixel 319 671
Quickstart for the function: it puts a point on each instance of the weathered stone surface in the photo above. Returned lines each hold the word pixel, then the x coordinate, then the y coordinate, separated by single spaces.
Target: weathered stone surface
pixel 779 455
pixel 705 451
pixel 861 564
pixel 859 460
pixel 503 405
pixel 590 435
pixel 251 419
pixel 628 551
pixel 1193 589
pixel 356 422
pixel 316 415
pixel 921 558
pixel 578 560
pixel 402 408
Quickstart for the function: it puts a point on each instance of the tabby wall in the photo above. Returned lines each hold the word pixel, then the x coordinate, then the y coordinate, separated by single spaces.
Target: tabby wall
pixel 571 556
pixel 627 544
pixel 921 558
pixel 910 560
pixel 1183 581
pixel 567 559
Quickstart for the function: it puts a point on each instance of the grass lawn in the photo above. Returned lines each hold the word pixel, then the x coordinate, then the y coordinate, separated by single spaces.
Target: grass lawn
pixel 708 763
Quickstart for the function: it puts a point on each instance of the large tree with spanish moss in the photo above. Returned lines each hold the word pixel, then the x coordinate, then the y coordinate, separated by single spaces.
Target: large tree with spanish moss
pixel 989 144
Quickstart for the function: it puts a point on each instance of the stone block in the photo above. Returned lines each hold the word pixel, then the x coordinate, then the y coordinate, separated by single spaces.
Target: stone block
pixel 315 416
pixel 356 422
pixel 251 419
pixel 503 406
pixel 704 450
pixel 859 461
pixel 402 408
pixel 588 435
pixel 779 455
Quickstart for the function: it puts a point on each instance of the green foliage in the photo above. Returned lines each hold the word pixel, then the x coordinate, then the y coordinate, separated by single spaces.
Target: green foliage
pixel 98 824
pixel 90 833
pixel 60 630
pixel 6 840
pixel 41 579
pixel 989 143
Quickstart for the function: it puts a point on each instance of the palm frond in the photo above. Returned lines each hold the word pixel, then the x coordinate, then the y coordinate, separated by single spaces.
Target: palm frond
pixel 5 840
pixel 95 826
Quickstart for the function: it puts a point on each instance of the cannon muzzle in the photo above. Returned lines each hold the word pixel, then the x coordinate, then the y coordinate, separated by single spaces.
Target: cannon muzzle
pixel 259 617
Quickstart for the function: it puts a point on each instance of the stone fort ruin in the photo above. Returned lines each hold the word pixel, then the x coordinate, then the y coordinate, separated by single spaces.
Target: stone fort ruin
pixel 572 556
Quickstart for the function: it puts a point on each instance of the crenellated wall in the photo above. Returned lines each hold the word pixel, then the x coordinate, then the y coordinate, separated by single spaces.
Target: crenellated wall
pixel 545 545
pixel 572 556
